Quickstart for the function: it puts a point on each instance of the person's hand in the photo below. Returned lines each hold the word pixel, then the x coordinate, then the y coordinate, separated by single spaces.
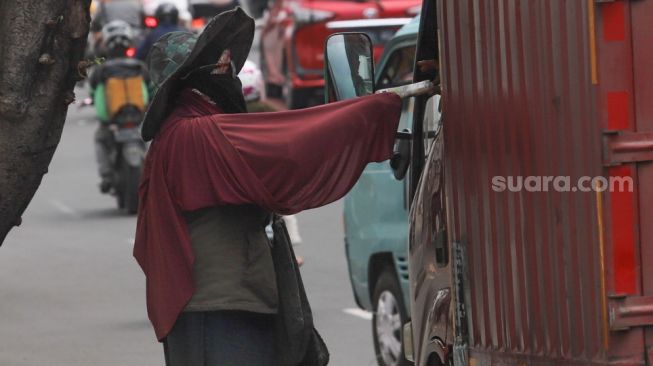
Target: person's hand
pixel 428 66
pixel 431 68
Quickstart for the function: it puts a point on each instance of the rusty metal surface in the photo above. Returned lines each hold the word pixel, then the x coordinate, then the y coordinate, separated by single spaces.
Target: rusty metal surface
pixel 642 38
pixel 523 97
pixel 631 311
pixel 627 147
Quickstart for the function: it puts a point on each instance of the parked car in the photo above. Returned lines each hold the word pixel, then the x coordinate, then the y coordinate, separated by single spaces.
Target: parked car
pixel 556 276
pixel 376 220
pixel 294 31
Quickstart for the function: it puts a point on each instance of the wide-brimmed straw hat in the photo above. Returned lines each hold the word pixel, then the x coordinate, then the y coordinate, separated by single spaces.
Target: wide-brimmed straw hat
pixel 175 54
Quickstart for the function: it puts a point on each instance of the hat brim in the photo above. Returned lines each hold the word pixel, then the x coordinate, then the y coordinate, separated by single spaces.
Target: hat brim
pixel 233 30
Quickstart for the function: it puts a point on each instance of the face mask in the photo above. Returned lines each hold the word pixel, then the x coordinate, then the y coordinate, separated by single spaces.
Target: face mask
pixel 225 90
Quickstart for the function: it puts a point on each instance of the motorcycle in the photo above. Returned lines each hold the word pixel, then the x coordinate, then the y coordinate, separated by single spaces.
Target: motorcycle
pixel 126 154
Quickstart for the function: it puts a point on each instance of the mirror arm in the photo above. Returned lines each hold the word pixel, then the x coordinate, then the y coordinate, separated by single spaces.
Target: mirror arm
pixel 410 90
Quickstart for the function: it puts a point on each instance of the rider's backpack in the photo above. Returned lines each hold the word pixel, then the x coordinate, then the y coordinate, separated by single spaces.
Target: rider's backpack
pixel 120 92
pixel 117 92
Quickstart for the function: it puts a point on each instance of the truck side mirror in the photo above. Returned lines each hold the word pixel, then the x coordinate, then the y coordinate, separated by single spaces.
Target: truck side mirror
pixel 349 66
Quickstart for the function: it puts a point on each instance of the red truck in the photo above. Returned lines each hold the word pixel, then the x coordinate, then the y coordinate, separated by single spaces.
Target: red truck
pixel 528 236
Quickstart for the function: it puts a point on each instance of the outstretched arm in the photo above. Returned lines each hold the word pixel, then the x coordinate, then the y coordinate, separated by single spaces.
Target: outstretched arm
pixel 284 161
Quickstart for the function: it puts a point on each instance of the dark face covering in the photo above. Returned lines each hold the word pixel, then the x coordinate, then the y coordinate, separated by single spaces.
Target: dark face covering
pixel 226 90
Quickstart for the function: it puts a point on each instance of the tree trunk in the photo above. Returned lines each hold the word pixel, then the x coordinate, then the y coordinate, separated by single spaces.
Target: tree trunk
pixel 41 45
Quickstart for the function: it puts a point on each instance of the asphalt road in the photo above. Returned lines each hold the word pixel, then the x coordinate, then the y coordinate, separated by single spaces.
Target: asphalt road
pixel 72 294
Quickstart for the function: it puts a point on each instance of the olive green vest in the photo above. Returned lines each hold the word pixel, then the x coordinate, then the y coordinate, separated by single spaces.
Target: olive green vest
pixel 233 267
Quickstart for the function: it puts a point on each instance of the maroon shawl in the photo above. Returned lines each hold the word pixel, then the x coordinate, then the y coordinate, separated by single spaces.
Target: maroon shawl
pixel 285 162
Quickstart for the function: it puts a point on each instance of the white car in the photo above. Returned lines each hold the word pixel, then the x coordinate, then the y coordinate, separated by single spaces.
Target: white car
pixel 252 79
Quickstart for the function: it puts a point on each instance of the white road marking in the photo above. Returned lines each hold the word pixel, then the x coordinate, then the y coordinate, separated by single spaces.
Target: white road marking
pixel 64 208
pixel 359 313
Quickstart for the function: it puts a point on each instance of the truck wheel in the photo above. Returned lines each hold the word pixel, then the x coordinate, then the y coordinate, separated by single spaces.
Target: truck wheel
pixel 435 361
pixel 388 319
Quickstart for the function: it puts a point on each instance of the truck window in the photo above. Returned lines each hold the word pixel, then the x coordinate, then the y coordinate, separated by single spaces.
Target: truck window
pixel 399 68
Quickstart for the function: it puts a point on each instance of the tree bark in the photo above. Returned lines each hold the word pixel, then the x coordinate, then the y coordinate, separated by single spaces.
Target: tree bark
pixel 42 45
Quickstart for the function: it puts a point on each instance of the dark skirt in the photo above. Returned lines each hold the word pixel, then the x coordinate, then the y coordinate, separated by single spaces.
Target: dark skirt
pixel 221 338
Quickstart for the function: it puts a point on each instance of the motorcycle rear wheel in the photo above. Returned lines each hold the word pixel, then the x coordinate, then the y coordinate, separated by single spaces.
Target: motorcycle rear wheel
pixel 128 195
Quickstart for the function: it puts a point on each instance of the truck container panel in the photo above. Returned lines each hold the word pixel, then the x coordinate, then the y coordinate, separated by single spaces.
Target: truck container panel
pixel 555 272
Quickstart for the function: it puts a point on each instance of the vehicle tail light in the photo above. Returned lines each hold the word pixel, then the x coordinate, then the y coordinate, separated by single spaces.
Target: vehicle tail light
pixel 128 124
pixel 414 10
pixel 198 23
pixel 307 15
pixel 151 22
pixel 130 52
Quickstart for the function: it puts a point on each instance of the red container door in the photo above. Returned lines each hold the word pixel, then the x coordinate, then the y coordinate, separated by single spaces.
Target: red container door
pixel 642 21
pixel 625 78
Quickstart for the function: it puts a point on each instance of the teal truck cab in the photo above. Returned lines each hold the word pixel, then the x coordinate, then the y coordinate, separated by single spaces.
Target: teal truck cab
pixel 376 220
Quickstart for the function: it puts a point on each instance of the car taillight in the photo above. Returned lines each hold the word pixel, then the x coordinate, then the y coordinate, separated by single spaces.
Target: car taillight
pixel 414 10
pixel 130 52
pixel 151 22
pixel 307 16
pixel 198 23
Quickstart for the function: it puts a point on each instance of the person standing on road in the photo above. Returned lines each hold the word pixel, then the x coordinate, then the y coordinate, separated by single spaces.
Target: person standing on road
pixel 212 176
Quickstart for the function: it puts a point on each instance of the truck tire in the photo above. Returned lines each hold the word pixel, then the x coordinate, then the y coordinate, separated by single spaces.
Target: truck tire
pixel 389 316
pixel 434 360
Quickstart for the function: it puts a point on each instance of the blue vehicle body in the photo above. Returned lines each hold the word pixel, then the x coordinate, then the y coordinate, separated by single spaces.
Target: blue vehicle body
pixel 375 211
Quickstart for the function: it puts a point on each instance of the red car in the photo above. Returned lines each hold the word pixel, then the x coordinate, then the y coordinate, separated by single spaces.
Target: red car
pixel 294 31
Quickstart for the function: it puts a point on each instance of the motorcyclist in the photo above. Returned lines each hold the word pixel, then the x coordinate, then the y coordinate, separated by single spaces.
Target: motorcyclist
pixel 167 16
pixel 117 39
pixel 108 11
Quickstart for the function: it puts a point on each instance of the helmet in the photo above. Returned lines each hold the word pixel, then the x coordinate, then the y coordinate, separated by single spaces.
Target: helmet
pixel 166 13
pixel 117 38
